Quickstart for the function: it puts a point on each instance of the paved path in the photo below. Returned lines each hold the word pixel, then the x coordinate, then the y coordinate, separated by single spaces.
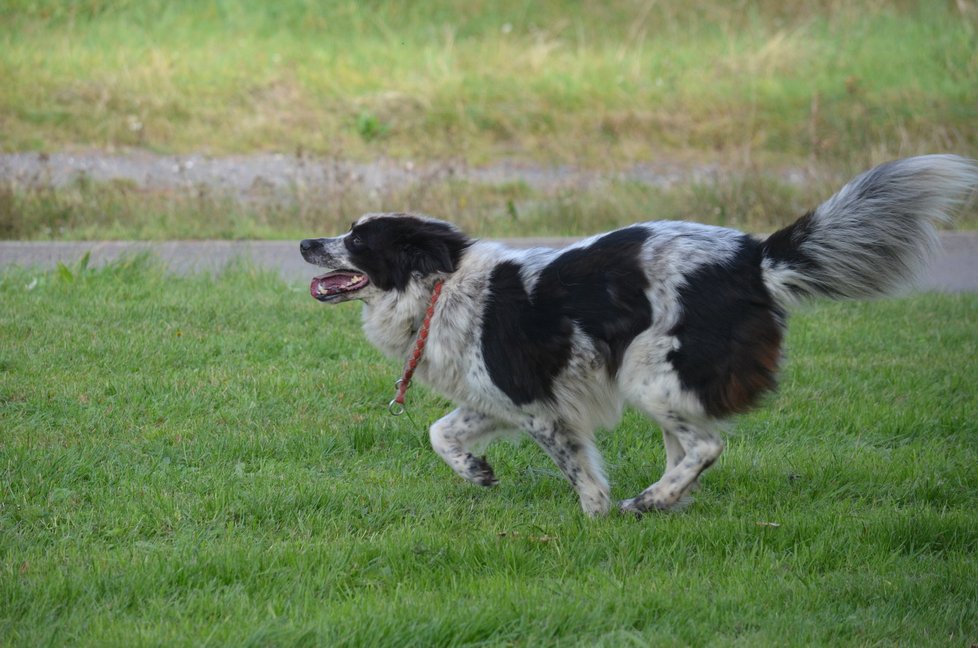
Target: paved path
pixel 954 271
pixel 250 176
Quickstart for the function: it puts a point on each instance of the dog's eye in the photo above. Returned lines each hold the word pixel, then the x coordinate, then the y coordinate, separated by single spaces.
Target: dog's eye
pixel 355 242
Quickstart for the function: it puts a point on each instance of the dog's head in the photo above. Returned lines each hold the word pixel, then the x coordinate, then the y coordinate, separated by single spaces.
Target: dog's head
pixel 382 252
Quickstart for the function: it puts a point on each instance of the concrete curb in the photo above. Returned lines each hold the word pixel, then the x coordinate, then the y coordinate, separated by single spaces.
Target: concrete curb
pixel 954 271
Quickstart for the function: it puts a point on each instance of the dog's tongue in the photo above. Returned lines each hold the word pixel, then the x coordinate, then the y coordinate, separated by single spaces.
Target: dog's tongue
pixel 334 283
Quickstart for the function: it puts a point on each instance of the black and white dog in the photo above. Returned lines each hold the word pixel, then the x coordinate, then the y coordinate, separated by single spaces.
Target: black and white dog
pixel 681 321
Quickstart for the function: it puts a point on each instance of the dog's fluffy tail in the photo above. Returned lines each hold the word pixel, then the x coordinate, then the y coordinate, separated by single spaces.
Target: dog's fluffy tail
pixel 872 238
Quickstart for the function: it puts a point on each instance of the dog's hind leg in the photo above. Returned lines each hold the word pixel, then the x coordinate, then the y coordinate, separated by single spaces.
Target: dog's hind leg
pixel 702 447
pixel 674 455
pixel 578 458
pixel 674 449
pixel 455 435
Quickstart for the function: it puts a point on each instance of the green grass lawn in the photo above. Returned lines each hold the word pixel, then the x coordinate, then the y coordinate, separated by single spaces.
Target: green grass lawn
pixel 209 461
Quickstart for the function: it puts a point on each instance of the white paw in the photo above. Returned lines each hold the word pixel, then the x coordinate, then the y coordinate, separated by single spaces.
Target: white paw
pixel 596 505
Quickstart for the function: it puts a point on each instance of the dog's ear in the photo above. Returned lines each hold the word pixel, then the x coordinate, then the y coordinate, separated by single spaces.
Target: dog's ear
pixel 402 247
pixel 431 256
pixel 436 247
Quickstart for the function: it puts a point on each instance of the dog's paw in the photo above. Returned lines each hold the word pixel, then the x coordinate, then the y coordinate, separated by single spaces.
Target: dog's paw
pixel 630 507
pixel 639 506
pixel 478 471
pixel 596 505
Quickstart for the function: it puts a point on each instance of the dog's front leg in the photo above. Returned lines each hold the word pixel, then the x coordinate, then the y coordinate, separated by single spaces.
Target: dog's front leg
pixel 453 437
pixel 579 460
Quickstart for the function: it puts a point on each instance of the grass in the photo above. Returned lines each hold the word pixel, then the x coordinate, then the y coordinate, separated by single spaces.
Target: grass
pixel 753 88
pixel 747 199
pixel 588 82
pixel 88 210
pixel 208 461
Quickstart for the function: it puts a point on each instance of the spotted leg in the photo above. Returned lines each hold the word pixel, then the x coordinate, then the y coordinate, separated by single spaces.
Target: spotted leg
pixel 453 437
pixel 579 461
pixel 702 447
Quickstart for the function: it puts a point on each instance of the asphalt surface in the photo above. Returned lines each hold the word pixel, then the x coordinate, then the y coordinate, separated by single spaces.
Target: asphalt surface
pixel 956 270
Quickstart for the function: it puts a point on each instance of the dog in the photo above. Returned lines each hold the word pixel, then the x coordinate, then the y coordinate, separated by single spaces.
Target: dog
pixel 684 322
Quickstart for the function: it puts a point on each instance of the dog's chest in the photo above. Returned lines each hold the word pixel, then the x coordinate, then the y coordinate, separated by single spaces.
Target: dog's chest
pixel 451 361
pixel 392 341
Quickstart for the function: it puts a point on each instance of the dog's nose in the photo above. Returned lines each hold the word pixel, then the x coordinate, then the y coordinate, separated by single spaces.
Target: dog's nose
pixel 306 245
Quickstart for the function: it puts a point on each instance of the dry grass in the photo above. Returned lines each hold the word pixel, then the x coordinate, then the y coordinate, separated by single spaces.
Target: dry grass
pixel 746 197
pixel 584 83
pixel 751 88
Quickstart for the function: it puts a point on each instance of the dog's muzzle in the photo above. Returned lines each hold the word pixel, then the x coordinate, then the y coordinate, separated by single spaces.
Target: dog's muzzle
pixel 337 285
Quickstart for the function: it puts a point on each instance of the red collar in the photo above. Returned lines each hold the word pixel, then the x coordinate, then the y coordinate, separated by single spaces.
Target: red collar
pixel 396 406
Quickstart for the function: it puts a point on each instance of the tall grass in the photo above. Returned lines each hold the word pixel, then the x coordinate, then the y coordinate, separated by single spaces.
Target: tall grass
pixel 827 87
pixel 592 82
pixel 86 210
pixel 748 198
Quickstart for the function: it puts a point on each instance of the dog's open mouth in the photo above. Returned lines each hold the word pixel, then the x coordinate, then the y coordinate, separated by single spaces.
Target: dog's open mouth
pixel 333 285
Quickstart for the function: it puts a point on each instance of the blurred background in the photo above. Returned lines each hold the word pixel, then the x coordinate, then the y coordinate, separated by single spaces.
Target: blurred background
pixel 236 119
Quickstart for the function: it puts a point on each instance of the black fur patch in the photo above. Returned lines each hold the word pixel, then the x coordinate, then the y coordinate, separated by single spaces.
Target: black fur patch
pixel 390 249
pixel 524 349
pixel 729 333
pixel 784 244
pixel 526 339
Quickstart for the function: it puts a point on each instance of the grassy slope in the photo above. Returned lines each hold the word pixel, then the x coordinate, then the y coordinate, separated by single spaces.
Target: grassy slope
pixel 566 80
pixel 831 87
pixel 190 461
